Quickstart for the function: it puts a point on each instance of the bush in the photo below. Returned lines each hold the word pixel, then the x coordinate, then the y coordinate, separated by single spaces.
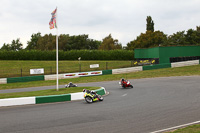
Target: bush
pixel 67 55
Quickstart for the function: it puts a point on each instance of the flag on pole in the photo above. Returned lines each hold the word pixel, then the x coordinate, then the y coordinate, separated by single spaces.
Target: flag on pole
pixel 52 23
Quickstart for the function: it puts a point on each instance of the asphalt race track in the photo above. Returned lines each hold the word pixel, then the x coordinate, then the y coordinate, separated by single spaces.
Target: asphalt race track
pixel 153 104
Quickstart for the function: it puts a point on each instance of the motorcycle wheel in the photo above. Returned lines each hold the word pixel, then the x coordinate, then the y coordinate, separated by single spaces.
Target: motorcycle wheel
pixel 100 98
pixel 88 99
pixel 131 86
pixel 124 86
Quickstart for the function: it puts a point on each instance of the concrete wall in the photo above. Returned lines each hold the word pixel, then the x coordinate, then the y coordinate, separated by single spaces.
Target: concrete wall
pixel 126 70
pixel 185 63
pixel 3 81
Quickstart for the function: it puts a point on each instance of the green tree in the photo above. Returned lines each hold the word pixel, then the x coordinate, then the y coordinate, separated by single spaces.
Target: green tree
pixel 110 44
pixel 47 42
pixel 193 37
pixel 33 43
pixel 6 47
pixel 190 37
pixel 176 39
pixel 16 45
pixel 147 40
pixel 66 42
pixel 150 24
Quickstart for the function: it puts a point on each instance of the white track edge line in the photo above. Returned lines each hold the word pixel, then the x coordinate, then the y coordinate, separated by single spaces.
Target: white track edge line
pixel 176 127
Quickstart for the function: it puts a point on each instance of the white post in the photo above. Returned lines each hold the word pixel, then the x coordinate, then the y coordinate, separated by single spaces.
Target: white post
pixel 57 88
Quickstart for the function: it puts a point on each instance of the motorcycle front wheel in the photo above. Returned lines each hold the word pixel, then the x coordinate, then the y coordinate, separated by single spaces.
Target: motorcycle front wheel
pixel 100 98
pixel 88 99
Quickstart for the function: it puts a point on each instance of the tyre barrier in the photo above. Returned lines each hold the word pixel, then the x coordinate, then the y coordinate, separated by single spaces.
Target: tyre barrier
pixel 46 99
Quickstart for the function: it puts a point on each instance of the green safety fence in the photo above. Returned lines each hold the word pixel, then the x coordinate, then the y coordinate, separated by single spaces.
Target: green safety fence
pixel 53 98
pixel 25 79
pixel 105 72
pixel 158 66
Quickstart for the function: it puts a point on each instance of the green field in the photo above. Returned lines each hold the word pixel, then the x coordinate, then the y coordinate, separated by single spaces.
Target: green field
pixel 22 68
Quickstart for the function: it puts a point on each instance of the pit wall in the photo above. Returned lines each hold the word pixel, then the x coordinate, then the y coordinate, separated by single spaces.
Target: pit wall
pixel 104 72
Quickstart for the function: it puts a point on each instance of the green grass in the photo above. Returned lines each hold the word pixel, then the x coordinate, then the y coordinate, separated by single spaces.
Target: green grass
pixel 189 129
pixel 182 71
pixel 14 68
pixel 46 92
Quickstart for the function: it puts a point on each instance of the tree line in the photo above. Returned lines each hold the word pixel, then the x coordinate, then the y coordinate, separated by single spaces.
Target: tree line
pixel 148 39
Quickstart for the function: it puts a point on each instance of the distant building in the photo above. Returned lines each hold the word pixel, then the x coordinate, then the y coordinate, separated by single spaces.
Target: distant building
pixel 171 54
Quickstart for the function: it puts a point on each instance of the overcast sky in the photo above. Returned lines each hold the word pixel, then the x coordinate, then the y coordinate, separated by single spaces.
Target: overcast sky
pixel 124 19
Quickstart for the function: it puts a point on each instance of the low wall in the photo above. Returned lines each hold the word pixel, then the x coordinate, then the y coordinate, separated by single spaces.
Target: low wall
pixel 25 79
pixel 3 81
pixel 158 66
pixel 47 99
pixel 127 70
pixel 185 63
pixel 17 101
pixel 53 77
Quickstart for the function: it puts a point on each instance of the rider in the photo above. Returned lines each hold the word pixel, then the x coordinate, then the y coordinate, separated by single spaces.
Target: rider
pixel 91 92
pixel 123 82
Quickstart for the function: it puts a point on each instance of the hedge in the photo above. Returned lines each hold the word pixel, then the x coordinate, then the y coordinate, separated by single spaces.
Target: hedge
pixel 67 55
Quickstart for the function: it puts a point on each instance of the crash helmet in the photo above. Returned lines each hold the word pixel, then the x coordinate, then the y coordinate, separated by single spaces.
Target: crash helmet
pixel 122 79
pixel 84 90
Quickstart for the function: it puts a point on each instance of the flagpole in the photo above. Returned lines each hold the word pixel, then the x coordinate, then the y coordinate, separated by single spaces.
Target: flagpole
pixel 57 88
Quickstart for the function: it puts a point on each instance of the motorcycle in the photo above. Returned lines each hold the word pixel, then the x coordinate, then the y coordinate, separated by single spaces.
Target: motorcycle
pixel 70 85
pixel 92 96
pixel 125 84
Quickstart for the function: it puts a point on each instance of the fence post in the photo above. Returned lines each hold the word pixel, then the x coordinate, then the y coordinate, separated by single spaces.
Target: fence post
pixel 106 65
pixel 79 67
pixel 21 72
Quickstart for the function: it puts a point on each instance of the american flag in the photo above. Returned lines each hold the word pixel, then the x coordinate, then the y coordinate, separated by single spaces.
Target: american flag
pixel 52 23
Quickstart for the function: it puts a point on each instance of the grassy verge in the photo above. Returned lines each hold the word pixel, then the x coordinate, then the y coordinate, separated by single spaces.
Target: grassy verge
pixel 46 92
pixel 18 68
pixel 189 129
pixel 182 71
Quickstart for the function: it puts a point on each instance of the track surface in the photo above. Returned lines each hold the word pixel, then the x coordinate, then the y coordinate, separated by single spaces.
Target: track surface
pixel 153 104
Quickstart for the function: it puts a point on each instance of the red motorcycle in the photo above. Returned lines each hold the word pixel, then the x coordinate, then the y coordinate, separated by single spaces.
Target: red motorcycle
pixel 125 83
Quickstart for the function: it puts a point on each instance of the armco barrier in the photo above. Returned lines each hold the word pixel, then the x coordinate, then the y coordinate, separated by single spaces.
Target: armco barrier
pixel 185 63
pixel 25 79
pixel 158 66
pixel 3 81
pixel 127 70
pixel 53 98
pixel 47 99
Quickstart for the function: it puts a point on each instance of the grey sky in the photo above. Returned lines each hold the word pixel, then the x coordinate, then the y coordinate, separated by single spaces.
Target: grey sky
pixel 124 19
